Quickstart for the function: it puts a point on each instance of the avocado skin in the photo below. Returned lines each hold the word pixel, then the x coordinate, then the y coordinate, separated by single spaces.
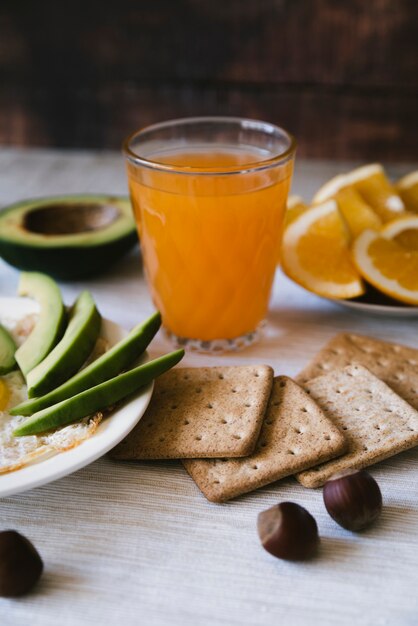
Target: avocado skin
pixel 97 398
pixel 77 262
pixel 104 367
pixel 7 352
pixel 62 257
pixel 71 351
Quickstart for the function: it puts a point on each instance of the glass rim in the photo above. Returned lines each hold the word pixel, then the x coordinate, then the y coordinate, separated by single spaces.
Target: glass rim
pixel 262 164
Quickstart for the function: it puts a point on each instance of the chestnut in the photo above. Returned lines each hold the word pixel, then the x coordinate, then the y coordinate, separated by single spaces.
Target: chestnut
pixel 20 564
pixel 288 531
pixel 353 499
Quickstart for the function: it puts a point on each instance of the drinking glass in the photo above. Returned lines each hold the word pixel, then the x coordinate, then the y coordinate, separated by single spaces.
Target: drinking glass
pixel 209 196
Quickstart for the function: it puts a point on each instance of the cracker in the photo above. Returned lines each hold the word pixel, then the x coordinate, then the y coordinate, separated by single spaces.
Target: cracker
pixel 376 421
pixel 395 364
pixel 295 435
pixel 201 412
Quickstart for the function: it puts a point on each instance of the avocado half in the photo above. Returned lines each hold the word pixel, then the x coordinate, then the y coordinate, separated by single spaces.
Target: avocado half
pixel 67 237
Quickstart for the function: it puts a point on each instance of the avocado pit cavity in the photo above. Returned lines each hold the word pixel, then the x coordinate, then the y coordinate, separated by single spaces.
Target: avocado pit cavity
pixel 67 219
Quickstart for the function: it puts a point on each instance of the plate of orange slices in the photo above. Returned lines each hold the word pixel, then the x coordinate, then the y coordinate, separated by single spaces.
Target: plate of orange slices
pixel 357 242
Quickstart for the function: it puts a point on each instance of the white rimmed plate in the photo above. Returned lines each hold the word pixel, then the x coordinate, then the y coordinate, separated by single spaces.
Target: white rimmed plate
pixel 110 431
pixel 383 310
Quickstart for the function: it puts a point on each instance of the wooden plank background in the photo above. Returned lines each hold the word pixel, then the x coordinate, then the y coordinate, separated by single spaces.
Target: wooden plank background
pixel 341 75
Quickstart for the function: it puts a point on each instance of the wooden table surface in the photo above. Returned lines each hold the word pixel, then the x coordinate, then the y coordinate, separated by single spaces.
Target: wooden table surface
pixel 138 543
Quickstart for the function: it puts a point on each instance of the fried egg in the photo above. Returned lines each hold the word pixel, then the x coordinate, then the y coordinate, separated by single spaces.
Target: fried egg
pixel 17 452
pixel 4 395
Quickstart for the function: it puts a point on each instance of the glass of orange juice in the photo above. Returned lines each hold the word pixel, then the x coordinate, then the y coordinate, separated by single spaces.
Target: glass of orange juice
pixel 209 196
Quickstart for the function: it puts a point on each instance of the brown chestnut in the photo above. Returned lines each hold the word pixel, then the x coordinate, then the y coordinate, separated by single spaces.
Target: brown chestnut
pixel 20 564
pixel 288 531
pixel 353 499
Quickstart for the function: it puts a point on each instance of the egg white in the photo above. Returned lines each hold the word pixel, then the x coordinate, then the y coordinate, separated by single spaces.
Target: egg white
pixel 17 452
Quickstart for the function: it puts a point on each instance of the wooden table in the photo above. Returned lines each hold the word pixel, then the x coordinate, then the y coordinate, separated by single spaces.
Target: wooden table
pixel 138 544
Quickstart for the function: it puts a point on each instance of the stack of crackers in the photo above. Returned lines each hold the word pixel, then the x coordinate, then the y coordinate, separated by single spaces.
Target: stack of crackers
pixel 240 428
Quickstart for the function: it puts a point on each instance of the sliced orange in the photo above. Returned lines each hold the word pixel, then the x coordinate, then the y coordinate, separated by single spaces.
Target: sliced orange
pixel 404 231
pixel 295 207
pixel 330 189
pixel 372 184
pixel 356 212
pixel 387 265
pixel 315 253
pixel 407 188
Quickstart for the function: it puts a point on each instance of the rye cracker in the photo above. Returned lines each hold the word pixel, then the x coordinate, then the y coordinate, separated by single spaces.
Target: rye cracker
pixel 376 421
pixel 395 364
pixel 201 412
pixel 295 435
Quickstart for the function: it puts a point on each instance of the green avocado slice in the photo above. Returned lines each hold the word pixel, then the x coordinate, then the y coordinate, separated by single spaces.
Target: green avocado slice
pixel 72 351
pixel 50 325
pixel 97 398
pixel 109 364
pixel 67 236
pixel 7 352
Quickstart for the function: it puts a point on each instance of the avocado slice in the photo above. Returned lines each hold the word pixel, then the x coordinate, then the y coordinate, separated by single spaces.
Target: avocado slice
pixel 71 352
pixel 67 237
pixel 97 398
pixel 109 364
pixel 7 352
pixel 51 322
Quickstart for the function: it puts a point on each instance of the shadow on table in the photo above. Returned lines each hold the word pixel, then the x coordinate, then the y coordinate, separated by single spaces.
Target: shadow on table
pixel 56 578
pixel 129 266
pixel 338 549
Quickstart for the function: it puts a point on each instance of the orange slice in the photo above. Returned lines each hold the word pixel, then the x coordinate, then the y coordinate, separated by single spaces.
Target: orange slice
pixel 316 255
pixel 387 265
pixel 371 183
pixel 330 189
pixel 404 231
pixel 356 212
pixel 295 207
pixel 407 188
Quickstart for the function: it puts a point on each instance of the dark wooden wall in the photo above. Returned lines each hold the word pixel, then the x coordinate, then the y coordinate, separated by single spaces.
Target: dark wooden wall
pixel 342 75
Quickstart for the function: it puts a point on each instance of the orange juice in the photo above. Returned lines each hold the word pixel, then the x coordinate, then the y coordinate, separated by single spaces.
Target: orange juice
pixel 210 238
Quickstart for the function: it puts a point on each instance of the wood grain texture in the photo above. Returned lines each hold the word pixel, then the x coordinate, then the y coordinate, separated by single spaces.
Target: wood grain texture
pixel 343 77
pixel 137 542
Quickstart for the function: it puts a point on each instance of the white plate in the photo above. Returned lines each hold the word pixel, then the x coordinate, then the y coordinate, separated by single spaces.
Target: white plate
pixel 110 431
pixel 384 310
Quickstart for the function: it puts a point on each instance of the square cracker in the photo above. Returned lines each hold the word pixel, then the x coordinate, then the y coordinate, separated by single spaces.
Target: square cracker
pixel 396 365
pixel 201 412
pixel 376 421
pixel 295 435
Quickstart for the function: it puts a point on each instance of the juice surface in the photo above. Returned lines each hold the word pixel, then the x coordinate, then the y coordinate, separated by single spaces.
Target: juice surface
pixel 210 242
